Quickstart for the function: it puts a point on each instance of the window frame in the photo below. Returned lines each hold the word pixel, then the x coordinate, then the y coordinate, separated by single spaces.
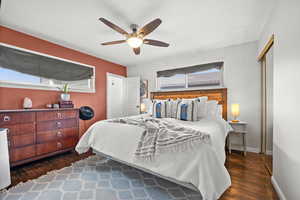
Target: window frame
pixel 40 86
pixel 186 88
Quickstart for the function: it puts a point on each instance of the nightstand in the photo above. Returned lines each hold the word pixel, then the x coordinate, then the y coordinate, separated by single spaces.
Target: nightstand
pixel 239 128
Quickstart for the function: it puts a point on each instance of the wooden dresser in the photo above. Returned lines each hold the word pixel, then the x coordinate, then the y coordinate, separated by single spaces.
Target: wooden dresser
pixel 38 133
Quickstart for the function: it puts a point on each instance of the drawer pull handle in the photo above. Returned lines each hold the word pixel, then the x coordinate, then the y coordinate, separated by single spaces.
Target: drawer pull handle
pixel 6 118
pixel 59 115
pixel 59 134
pixel 58 124
pixel 59 145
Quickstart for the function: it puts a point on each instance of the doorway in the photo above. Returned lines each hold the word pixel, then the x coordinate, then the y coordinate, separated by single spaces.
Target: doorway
pixel 266 59
pixel 123 96
pixel 115 96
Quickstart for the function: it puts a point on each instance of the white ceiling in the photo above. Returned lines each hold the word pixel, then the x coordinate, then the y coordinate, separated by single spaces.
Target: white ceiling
pixel 186 24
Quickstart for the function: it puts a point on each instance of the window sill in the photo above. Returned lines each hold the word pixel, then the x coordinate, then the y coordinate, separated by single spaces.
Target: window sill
pixel 8 84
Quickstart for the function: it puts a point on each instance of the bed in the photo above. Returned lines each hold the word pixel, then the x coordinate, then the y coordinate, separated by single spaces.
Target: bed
pixel 205 171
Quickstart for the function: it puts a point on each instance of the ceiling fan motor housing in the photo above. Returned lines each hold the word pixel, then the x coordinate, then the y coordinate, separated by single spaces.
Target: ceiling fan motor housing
pixel 134 27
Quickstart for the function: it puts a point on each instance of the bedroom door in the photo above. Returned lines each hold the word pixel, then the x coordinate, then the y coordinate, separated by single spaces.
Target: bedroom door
pixel 115 95
pixel 133 96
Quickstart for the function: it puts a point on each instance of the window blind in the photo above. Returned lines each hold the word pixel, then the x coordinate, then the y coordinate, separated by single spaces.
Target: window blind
pixel 191 69
pixel 42 66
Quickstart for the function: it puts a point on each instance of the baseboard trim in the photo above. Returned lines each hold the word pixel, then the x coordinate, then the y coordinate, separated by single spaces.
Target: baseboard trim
pixel 249 149
pixel 269 152
pixel 277 189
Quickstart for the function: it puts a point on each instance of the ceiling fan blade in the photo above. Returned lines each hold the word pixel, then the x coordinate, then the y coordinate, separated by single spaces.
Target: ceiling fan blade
pixel 113 26
pixel 113 42
pixel 148 28
pixel 137 51
pixel 155 43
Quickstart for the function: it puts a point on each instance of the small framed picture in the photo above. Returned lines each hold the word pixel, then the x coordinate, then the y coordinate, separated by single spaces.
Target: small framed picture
pixel 144 89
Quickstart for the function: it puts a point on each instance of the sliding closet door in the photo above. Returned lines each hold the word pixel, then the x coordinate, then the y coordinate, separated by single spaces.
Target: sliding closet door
pixel 269 109
pixel 267 69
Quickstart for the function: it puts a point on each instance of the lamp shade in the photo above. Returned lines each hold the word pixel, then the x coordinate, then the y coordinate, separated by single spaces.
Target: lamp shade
pixel 146 106
pixel 235 110
pixel 143 107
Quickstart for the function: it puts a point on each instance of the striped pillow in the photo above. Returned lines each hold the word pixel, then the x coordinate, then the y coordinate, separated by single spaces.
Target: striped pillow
pixel 187 111
pixel 168 108
pixel 159 109
pixel 171 108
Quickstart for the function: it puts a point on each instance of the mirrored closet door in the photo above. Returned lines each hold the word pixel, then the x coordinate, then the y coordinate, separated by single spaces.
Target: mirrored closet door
pixel 267 105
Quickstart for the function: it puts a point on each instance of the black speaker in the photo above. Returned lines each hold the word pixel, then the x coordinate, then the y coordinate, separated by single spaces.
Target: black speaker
pixel 86 113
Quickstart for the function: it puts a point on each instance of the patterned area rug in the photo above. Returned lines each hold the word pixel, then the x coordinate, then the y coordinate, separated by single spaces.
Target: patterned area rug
pixel 99 179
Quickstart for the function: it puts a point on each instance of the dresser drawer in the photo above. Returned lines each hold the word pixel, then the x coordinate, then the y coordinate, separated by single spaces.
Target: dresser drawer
pixel 48 147
pixel 56 115
pixel 46 136
pixel 238 127
pixel 57 124
pixel 53 146
pixel 16 118
pixel 22 153
pixel 21 140
pixel 21 129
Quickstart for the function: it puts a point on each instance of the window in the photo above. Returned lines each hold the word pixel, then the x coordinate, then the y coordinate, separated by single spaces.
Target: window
pixel 172 82
pixel 23 72
pixel 208 75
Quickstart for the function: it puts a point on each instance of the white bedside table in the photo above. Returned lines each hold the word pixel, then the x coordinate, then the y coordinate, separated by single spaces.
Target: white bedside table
pixel 239 128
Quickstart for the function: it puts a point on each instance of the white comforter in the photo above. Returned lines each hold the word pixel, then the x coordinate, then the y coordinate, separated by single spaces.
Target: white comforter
pixel 203 167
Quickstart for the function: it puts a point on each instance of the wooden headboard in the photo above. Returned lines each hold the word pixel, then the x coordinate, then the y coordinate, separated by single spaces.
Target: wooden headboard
pixel 219 95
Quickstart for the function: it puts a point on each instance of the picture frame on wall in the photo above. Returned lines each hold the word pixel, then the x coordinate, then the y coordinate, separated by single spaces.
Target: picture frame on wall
pixel 144 89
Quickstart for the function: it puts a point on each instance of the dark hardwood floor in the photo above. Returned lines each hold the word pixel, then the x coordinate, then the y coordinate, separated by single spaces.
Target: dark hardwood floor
pixel 33 170
pixel 250 179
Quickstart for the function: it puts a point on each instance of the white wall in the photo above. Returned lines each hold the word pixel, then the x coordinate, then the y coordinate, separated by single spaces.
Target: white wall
pixel 241 77
pixel 286 150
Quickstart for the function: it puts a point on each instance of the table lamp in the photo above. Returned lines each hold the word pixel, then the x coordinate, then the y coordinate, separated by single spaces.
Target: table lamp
pixel 235 111
pixel 143 108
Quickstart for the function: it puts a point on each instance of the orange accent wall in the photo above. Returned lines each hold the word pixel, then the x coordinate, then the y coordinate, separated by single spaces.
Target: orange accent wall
pixel 12 98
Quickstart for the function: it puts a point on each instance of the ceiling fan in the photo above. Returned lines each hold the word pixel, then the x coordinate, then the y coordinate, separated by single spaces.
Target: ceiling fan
pixel 136 38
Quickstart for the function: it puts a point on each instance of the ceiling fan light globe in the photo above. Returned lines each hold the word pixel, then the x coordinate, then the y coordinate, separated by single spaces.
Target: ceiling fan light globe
pixel 134 42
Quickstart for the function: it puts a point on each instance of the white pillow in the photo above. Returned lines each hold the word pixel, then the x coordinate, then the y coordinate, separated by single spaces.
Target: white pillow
pixel 212 107
pixel 188 100
pixel 205 98
pixel 219 112
pixel 201 107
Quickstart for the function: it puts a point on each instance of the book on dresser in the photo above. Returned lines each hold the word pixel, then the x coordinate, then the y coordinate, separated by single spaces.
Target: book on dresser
pixel 39 133
pixel 66 104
